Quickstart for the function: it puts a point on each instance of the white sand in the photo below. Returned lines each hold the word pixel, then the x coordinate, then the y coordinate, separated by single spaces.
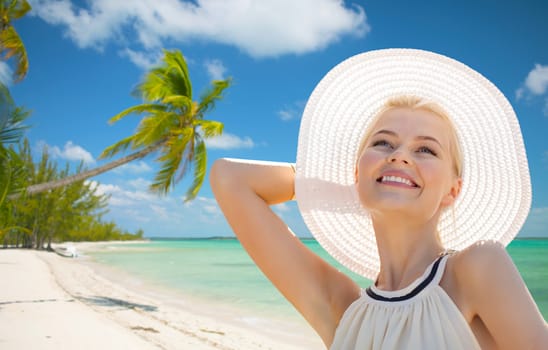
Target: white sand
pixel 51 302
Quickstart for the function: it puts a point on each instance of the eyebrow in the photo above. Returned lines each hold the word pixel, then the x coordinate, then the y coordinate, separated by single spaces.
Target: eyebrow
pixel 422 137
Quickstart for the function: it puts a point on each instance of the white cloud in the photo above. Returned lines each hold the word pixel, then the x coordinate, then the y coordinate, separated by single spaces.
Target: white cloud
pixel 260 28
pixel 128 198
pixel 132 207
pixel 229 141
pixel 87 27
pixel 139 184
pixel 70 152
pixel 105 188
pixel 535 84
pixel 204 205
pixel 291 112
pixel 537 80
pixel 5 73
pixel 136 215
pixel 286 115
pixel 520 92
pixel 215 69
pixel 133 168
pixel 204 210
pixel 141 59
pixel 159 211
pixel 208 205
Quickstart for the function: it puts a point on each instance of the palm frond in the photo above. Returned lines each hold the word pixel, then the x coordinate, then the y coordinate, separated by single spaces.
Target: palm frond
pixel 170 78
pixel 175 154
pixel 154 86
pixel 11 118
pixel 139 109
pixel 12 46
pixel 18 8
pixel 156 127
pixel 5 96
pixel 12 129
pixel 200 167
pixel 118 147
pixel 187 155
pixel 212 95
pixel 178 127
pixel 210 128
pixel 178 72
pixel 182 102
pixel 5 174
pixel 11 170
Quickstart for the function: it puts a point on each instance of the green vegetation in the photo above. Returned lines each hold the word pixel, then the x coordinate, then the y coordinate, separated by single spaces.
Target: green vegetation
pixel 41 203
pixel 173 126
pixel 70 213
pixel 10 42
pixel 11 131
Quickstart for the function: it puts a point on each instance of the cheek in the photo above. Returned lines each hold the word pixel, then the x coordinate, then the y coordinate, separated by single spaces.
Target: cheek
pixel 436 175
pixel 366 169
pixel 367 162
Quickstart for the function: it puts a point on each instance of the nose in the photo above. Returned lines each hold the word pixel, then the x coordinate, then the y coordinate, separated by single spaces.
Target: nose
pixel 399 156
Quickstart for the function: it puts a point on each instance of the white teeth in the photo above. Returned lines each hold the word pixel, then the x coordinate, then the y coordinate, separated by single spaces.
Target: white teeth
pixel 397 179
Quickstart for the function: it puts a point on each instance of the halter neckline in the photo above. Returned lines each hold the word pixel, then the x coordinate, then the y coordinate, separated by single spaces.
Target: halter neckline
pixel 414 288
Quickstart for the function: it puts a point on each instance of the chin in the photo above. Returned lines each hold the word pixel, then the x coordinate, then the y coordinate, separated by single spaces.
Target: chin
pixel 393 207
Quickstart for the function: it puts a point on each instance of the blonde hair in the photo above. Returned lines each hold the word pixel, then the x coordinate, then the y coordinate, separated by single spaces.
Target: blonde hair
pixel 418 103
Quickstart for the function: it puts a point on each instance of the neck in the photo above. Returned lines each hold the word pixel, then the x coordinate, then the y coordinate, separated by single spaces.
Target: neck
pixel 405 250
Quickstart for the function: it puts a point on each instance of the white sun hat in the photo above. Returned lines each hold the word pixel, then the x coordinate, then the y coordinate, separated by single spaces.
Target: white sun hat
pixel 496 190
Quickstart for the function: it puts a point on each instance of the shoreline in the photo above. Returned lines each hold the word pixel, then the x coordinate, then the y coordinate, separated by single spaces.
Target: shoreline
pixel 153 317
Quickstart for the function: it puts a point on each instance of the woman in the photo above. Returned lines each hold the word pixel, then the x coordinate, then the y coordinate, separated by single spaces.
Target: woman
pixel 411 171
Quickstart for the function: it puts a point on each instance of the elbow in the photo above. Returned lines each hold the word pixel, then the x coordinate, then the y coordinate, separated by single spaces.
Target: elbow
pixel 220 175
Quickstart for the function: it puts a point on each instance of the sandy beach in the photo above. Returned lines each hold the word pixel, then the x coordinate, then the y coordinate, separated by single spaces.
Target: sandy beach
pixel 51 302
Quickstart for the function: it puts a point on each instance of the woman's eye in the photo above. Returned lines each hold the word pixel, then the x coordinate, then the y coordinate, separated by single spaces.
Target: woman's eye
pixel 425 149
pixel 382 143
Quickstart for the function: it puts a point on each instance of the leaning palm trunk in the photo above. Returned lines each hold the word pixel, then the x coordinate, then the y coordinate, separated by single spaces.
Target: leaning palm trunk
pixel 46 186
pixel 172 123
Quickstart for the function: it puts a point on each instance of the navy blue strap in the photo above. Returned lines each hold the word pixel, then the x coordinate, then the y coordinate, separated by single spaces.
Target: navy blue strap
pixel 412 293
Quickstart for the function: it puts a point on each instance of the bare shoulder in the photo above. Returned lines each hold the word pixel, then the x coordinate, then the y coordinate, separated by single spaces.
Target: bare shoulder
pixel 491 290
pixel 467 268
pixel 481 270
pixel 479 259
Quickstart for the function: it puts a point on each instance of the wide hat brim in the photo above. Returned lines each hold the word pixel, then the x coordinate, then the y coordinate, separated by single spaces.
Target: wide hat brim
pixel 496 191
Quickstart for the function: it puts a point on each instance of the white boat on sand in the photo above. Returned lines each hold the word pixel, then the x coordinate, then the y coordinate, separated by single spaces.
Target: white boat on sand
pixel 68 251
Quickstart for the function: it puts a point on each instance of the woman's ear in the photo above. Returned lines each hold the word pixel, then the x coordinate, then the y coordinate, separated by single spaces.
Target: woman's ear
pixel 453 193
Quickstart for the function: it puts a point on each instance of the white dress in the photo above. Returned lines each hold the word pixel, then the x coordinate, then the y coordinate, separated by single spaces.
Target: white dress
pixel 420 316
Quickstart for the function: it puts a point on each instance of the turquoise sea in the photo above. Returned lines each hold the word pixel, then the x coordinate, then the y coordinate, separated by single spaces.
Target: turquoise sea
pixel 220 270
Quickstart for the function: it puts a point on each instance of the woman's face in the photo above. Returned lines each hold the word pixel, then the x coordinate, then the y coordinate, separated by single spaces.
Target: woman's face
pixel 406 165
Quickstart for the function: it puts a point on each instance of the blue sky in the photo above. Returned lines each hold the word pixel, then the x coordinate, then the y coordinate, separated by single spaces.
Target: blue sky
pixel 86 57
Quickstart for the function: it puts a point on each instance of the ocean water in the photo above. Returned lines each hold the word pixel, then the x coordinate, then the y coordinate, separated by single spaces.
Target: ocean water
pixel 220 270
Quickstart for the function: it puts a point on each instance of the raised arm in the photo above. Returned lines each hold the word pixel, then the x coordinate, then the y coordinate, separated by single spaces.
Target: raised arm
pixel 245 190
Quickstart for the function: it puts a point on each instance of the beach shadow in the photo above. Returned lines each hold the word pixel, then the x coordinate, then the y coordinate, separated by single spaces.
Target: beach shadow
pixel 33 301
pixel 106 301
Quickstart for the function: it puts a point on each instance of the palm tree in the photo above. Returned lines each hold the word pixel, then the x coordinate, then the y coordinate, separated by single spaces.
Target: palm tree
pixel 11 131
pixel 11 118
pixel 172 124
pixel 10 42
pixel 12 167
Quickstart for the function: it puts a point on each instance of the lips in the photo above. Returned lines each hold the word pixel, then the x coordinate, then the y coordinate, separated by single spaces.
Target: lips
pixel 397 179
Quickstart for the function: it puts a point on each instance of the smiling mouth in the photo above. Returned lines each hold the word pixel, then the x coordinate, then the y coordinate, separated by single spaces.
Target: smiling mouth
pixel 397 180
